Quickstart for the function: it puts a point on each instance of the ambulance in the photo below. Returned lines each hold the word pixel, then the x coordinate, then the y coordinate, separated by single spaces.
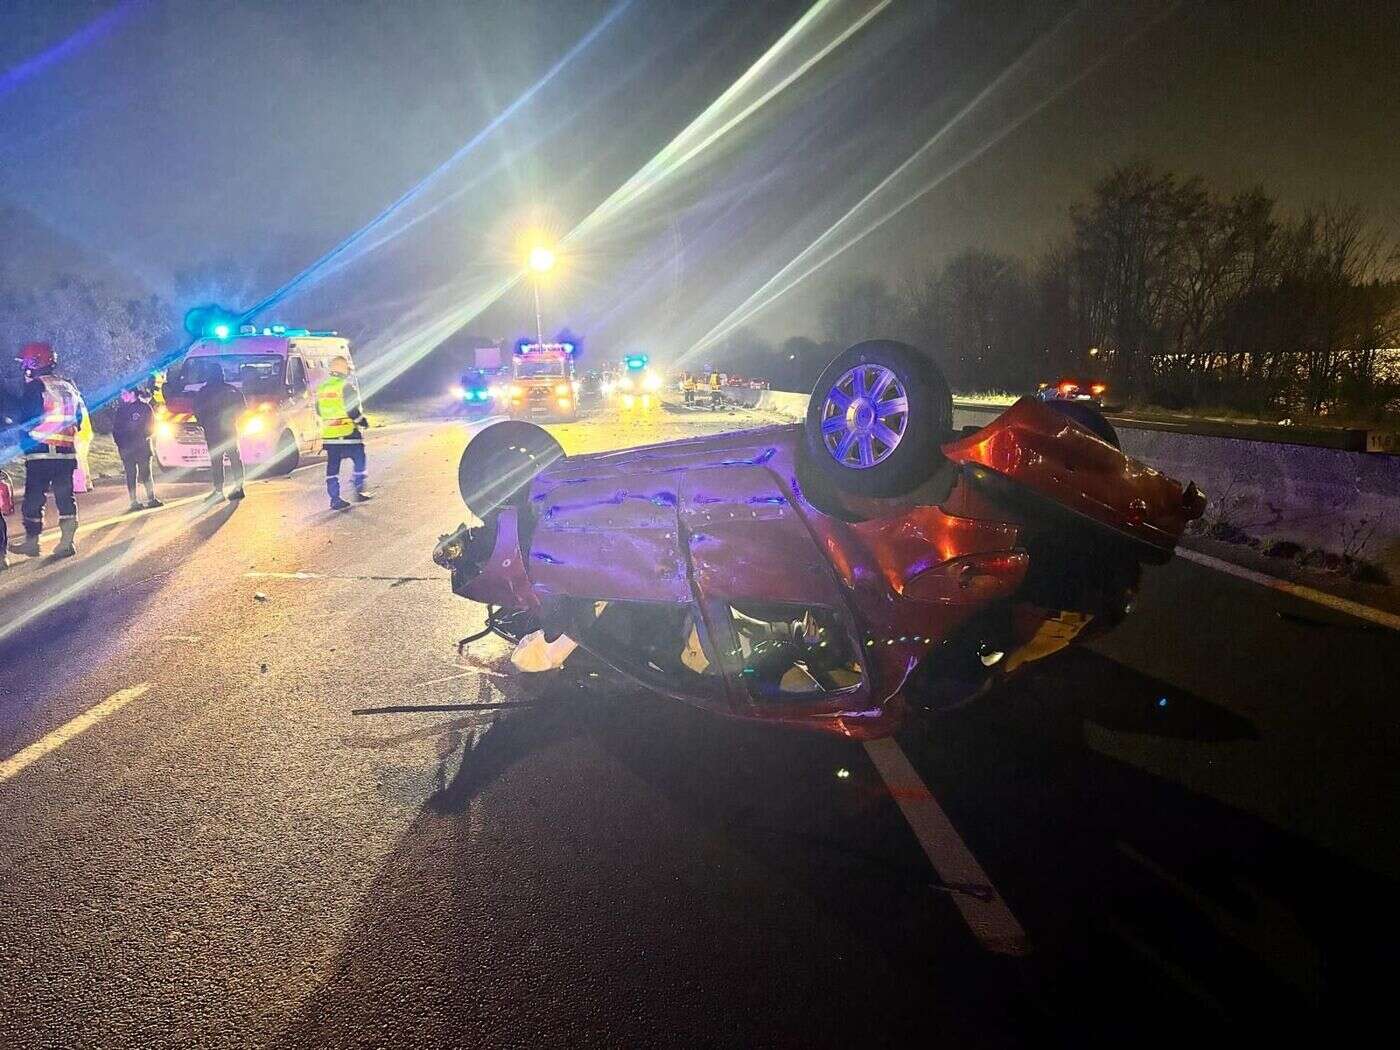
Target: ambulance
pixel 277 369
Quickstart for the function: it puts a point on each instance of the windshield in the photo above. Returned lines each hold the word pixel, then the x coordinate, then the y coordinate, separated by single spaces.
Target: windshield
pixel 529 369
pixel 256 371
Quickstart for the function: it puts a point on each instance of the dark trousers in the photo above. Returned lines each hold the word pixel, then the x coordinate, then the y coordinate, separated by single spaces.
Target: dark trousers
pixel 690 397
pixel 40 477
pixel 136 463
pixel 337 452
pixel 219 447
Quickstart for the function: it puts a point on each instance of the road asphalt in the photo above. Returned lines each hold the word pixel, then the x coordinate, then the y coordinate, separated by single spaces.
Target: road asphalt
pixel 202 844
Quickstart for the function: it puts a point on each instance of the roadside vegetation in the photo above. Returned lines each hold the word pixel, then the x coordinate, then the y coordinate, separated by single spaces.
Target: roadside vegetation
pixel 1185 299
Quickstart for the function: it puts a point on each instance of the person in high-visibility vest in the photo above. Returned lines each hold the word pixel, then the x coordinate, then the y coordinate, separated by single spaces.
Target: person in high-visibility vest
pixel 52 414
pixel 688 386
pixel 716 398
pixel 342 423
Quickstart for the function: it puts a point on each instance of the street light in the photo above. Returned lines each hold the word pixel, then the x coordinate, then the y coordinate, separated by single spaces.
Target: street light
pixel 541 261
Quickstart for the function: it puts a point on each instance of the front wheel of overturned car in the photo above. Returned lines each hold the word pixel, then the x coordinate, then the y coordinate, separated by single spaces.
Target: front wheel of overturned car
pixel 499 463
pixel 876 417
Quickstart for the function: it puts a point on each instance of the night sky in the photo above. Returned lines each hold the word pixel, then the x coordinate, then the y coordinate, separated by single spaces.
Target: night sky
pixel 156 134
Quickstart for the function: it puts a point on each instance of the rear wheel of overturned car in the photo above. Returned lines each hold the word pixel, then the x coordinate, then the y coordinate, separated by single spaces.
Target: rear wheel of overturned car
pixel 876 417
pixel 499 463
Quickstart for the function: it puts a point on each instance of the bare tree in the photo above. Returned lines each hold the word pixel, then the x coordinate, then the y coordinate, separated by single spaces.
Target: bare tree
pixel 860 308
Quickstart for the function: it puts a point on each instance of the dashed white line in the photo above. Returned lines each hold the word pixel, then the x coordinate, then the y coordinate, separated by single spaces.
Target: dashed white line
pixel 1297 590
pixel 66 732
pixel 982 907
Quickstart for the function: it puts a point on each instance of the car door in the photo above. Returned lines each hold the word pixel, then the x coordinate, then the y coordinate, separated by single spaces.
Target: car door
pixel 778 618
pixel 605 558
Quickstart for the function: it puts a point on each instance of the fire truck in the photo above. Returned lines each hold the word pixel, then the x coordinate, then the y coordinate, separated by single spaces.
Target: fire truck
pixel 542 384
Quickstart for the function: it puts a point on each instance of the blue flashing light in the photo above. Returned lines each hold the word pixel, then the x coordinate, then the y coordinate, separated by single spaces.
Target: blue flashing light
pixel 635 362
pixel 221 331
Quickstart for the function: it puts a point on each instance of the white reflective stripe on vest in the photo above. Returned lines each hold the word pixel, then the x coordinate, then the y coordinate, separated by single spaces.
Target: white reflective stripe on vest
pixel 60 419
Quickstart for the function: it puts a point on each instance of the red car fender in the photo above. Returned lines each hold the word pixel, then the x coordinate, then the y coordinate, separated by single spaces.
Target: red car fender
pixel 503 580
pixel 1047 455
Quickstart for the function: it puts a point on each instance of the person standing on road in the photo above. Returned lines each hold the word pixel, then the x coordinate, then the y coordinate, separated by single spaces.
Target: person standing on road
pixel 131 430
pixel 342 425
pixel 51 412
pixel 688 385
pixel 217 407
pixel 716 398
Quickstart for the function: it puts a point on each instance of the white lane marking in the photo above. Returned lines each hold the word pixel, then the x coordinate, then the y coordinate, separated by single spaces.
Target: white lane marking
pixel 465 674
pixel 131 515
pixel 1308 594
pixel 66 732
pixel 283 576
pixel 984 911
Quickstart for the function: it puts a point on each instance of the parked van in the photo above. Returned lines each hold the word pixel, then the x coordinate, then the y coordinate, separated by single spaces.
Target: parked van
pixel 278 370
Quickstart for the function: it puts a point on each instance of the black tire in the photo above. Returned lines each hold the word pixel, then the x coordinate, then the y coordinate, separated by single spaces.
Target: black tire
pixel 927 420
pixel 1088 417
pixel 499 463
pixel 288 455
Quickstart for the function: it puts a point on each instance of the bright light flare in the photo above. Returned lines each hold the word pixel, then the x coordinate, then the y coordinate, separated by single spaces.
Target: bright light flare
pixel 541 259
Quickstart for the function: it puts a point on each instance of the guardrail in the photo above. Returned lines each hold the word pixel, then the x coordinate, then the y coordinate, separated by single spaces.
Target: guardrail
pixel 1346 440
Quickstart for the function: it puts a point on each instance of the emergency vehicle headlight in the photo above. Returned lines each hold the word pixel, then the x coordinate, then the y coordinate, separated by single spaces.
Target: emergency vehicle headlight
pixel 458 391
pixel 516 390
pixel 561 388
pixel 253 425
pixel 564 402
pixel 165 429
pixel 652 383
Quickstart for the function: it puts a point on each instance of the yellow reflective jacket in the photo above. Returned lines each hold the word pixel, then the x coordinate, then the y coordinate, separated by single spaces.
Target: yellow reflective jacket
pixel 331 407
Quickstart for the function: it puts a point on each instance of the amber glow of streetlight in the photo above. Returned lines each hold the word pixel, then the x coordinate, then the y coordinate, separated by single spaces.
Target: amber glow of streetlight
pixel 541 259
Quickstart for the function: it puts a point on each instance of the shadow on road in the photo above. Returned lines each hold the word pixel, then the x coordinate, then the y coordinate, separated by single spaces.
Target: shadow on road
pixel 634 872
pixel 1150 903
pixel 624 870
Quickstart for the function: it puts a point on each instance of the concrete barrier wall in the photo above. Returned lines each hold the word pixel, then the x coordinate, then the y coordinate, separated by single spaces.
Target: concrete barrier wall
pixel 1347 502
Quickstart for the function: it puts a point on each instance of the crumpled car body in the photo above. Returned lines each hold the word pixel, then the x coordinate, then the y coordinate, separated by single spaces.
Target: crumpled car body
pixel 722 572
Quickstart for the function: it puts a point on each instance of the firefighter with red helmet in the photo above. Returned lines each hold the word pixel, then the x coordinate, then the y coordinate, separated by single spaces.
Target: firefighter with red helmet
pixel 51 412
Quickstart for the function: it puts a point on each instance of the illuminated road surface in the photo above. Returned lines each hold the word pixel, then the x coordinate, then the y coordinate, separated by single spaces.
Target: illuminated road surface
pixel 201 845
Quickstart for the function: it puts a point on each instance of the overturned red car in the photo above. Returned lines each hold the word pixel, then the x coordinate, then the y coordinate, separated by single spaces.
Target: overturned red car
pixel 829 574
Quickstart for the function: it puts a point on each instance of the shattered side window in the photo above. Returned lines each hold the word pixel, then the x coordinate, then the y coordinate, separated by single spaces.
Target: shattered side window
pixel 661 643
pixel 792 651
